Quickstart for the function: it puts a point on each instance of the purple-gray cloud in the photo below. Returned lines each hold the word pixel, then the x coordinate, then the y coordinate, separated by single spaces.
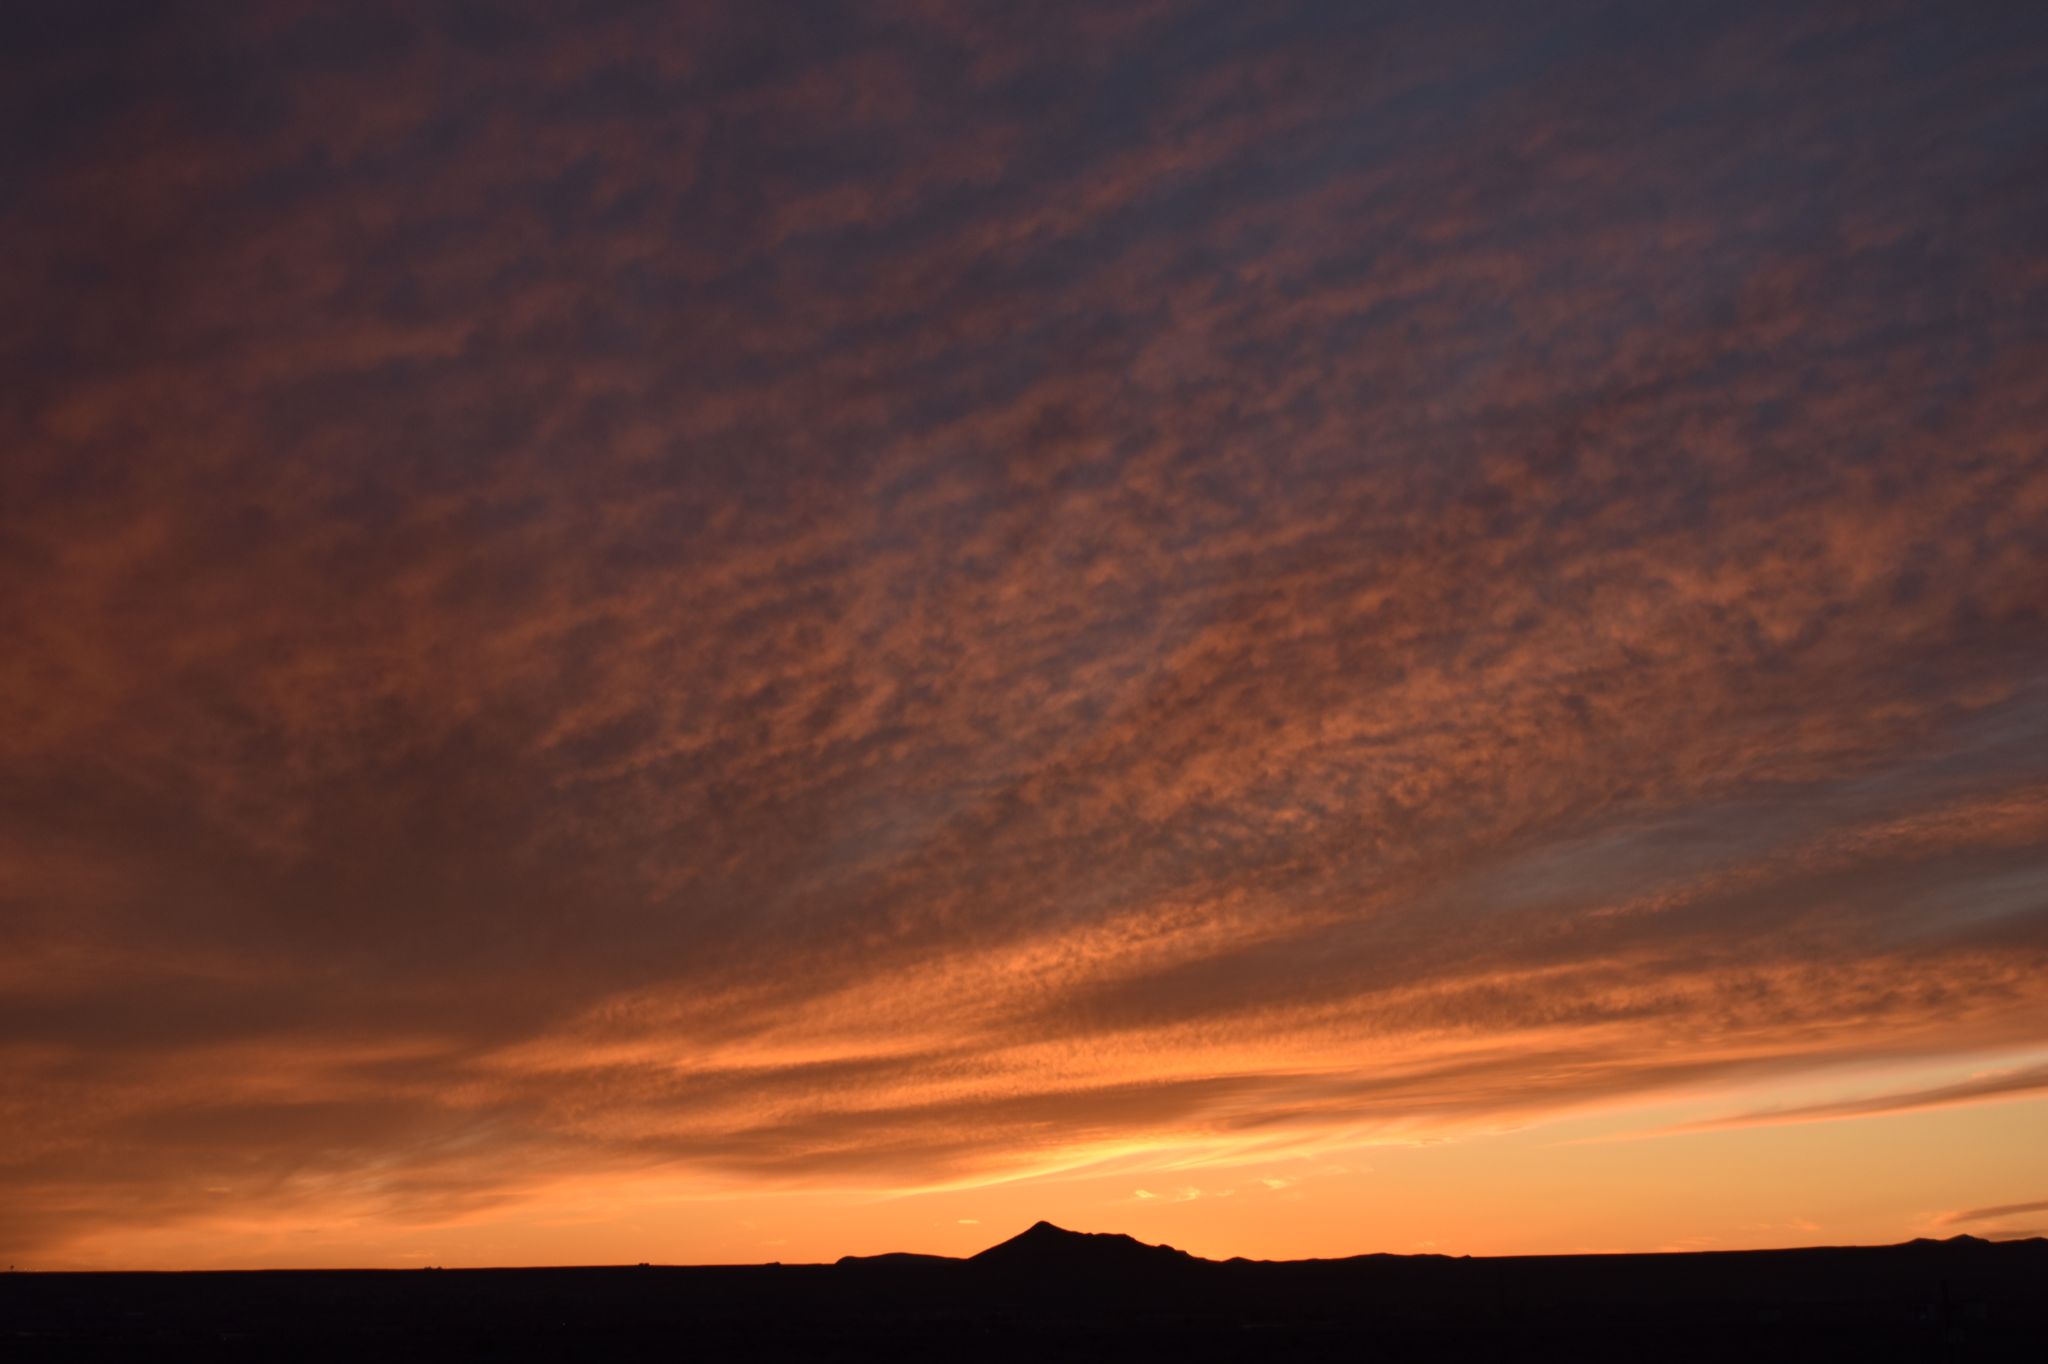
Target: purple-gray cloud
pixel 1991 1214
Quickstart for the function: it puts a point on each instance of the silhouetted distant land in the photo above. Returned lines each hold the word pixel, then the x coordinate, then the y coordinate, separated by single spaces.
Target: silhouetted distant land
pixel 1050 1293
pixel 1045 1246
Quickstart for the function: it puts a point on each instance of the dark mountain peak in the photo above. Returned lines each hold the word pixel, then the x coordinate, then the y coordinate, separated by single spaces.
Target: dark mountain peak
pixel 1044 1233
pixel 1043 1245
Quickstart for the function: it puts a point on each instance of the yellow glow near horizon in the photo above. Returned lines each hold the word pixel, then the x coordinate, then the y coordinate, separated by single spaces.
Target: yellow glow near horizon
pixel 1616 1180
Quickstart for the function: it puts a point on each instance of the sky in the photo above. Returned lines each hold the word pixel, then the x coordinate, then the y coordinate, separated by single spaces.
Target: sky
pixel 727 632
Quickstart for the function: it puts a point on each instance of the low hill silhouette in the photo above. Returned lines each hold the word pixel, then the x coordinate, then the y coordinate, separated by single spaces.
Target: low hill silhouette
pixel 1053 1293
pixel 1044 1246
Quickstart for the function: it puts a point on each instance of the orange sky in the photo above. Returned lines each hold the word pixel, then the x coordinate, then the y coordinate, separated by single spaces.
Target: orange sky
pixel 687 633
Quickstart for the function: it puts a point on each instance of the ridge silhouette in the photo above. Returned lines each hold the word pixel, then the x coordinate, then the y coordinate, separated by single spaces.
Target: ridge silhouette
pixel 1052 1293
pixel 1044 1246
pixel 1047 1247
pixel 1045 1251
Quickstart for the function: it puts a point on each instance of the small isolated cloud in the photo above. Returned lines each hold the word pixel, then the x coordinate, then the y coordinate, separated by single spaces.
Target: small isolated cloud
pixel 1950 1219
pixel 1690 1243
pixel 970 1221
pixel 1143 1194
pixel 1981 1088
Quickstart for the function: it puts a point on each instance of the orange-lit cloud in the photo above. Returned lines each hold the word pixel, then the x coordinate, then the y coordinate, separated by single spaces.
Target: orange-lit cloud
pixel 1996 1084
pixel 685 599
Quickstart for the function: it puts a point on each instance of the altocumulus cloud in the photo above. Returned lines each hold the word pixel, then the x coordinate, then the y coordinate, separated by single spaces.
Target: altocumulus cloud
pixel 888 593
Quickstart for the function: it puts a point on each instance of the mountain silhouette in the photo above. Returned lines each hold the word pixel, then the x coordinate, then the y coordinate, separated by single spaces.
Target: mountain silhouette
pixel 1045 1247
pixel 1051 1293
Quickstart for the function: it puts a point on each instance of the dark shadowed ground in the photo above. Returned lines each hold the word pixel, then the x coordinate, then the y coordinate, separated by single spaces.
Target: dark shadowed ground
pixel 1055 1294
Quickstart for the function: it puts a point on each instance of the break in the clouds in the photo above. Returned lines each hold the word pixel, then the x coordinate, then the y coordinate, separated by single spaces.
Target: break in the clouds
pixel 900 593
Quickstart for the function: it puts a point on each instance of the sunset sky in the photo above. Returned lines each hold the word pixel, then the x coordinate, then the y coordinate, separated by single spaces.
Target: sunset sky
pixel 730 632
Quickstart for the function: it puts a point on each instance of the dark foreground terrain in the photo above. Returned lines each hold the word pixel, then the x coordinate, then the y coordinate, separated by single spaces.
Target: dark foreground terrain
pixel 1052 1294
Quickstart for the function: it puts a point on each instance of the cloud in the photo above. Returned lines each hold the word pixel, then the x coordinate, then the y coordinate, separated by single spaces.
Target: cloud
pixel 1949 1219
pixel 878 602
pixel 2006 1084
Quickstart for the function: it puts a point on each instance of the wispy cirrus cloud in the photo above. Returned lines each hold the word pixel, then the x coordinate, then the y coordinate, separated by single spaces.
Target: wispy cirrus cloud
pixel 1949 1219
pixel 2012 1083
